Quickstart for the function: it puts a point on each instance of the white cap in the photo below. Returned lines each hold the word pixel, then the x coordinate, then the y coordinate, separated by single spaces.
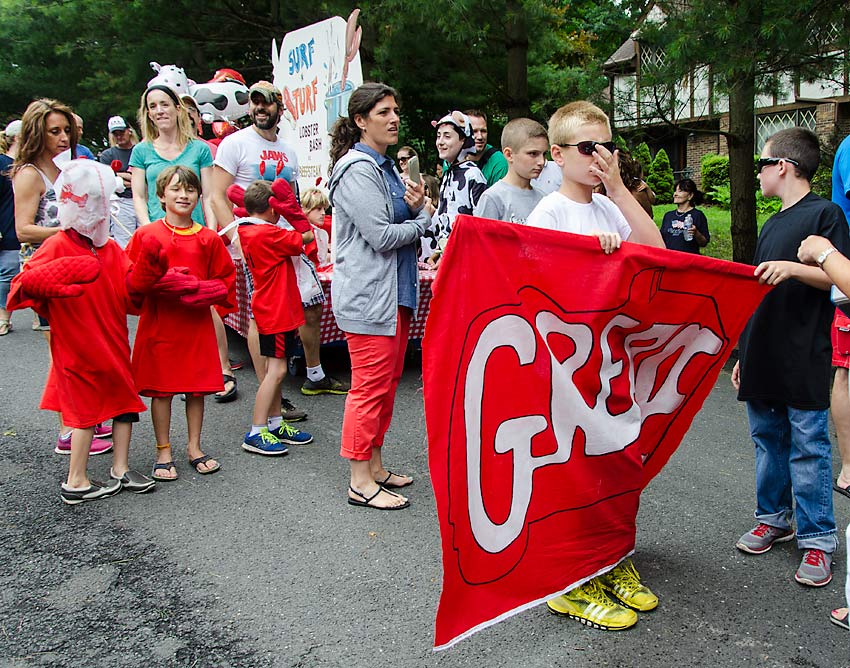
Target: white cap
pixel 116 123
pixel 13 129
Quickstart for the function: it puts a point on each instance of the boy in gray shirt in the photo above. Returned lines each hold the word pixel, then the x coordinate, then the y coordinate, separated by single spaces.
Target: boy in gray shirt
pixel 524 144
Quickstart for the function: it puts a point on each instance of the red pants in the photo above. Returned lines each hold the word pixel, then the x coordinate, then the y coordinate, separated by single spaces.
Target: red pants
pixel 376 366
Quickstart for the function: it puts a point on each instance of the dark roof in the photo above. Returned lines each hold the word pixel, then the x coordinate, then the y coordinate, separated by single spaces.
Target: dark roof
pixel 624 54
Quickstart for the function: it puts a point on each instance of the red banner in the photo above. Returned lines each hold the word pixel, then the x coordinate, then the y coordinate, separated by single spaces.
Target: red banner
pixel 558 382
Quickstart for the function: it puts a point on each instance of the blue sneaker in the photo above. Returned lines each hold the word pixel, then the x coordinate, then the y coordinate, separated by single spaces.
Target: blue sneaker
pixel 286 433
pixel 264 443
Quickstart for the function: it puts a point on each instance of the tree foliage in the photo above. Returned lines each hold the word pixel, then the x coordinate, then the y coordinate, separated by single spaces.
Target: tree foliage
pixel 643 156
pixel 749 44
pixel 660 178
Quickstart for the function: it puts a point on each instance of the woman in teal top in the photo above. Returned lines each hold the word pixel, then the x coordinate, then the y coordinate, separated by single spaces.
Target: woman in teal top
pixel 168 139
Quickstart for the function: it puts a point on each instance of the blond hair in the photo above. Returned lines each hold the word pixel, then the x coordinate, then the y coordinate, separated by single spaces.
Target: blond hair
pixel 569 118
pixel 518 132
pixel 134 138
pixel 313 198
pixel 185 129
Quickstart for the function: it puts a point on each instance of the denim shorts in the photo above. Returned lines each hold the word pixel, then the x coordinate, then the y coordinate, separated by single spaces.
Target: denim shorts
pixel 9 268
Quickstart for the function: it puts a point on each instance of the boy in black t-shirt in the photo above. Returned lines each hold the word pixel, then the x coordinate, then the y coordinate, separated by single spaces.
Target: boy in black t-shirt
pixel 784 368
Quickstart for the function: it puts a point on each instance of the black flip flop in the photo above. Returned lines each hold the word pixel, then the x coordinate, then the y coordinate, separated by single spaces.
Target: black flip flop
pixel 165 466
pixel 840 621
pixel 202 459
pixel 390 485
pixel 365 503
pixel 230 395
pixel 841 490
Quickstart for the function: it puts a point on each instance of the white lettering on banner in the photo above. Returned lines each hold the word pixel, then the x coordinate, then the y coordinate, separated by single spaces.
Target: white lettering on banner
pixel 604 433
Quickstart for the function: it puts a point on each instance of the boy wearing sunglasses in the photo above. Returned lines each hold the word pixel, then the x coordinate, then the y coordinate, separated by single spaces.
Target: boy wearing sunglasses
pixel 783 372
pixel 580 134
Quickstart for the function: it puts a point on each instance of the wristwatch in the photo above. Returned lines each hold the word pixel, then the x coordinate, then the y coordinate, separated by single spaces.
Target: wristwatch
pixel 822 257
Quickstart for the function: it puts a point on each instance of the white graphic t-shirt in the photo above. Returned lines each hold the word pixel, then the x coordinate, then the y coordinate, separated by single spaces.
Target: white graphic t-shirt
pixel 248 157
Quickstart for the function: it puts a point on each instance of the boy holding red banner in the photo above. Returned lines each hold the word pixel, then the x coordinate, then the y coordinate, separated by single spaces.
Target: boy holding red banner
pixel 580 134
pixel 783 372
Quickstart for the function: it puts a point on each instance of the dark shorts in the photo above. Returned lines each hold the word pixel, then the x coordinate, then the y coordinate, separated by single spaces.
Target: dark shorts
pixel 276 345
pixel 126 417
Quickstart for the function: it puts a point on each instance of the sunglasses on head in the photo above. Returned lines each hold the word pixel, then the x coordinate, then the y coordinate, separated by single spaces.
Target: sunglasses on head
pixel 588 147
pixel 761 163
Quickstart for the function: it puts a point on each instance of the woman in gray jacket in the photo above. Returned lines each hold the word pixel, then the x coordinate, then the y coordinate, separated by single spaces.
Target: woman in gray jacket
pixel 378 218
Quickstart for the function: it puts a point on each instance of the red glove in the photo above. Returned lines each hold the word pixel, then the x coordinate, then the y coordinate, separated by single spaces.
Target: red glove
pixel 284 204
pixel 209 293
pixel 115 165
pixel 176 282
pixel 150 266
pixel 63 277
pixel 236 194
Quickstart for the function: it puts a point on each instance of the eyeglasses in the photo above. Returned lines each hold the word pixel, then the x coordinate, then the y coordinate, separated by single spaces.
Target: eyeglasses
pixel 403 158
pixel 588 147
pixel 761 163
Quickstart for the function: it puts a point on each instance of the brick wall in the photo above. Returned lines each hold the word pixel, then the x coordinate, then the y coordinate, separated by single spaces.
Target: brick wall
pixel 699 145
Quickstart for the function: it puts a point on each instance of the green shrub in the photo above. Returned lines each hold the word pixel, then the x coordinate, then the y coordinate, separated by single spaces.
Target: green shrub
pixel 721 195
pixel 767 205
pixel 642 155
pixel 660 178
pixel 822 182
pixel 715 172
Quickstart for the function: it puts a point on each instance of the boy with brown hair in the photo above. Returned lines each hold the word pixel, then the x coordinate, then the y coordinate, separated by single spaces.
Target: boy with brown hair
pixel 581 146
pixel 278 312
pixel 784 368
pixel 524 144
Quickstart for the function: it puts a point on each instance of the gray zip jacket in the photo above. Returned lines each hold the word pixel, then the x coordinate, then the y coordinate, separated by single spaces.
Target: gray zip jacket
pixel 364 290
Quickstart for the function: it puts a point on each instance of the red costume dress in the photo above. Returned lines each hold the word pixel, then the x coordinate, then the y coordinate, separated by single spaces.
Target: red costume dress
pixel 90 380
pixel 175 349
pixel 277 301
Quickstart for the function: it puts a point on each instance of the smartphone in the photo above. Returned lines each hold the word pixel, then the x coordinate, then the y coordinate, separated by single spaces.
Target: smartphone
pixel 413 170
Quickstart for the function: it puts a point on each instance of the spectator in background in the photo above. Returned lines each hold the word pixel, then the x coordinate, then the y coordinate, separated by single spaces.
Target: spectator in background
pixel 489 159
pixel 82 151
pixel 685 228
pixel 631 172
pixel 195 116
pixel 122 138
pixel 9 245
pixel 405 153
pixel 432 189
pixel 10 136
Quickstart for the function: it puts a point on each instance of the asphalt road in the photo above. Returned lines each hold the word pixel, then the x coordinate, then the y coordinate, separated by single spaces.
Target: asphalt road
pixel 264 564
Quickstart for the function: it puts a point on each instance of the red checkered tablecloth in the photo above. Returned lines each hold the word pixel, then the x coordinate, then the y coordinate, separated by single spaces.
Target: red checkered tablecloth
pixel 329 332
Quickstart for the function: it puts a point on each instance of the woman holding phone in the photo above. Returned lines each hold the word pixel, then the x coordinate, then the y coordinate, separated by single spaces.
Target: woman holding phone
pixel 375 289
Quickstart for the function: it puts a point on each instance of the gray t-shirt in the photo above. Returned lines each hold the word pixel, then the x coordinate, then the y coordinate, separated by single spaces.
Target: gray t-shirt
pixel 502 201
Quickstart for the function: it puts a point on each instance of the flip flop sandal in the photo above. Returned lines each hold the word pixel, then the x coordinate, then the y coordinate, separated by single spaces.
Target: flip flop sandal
pixel 841 490
pixel 165 466
pixel 840 620
pixel 201 460
pixel 5 327
pixel 230 395
pixel 366 502
pixel 391 485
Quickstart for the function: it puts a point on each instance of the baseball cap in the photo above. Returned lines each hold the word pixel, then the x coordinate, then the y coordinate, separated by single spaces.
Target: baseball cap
pixel 13 129
pixel 267 90
pixel 116 123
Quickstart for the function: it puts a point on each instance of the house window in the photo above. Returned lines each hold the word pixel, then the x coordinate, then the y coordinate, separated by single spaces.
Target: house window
pixel 770 124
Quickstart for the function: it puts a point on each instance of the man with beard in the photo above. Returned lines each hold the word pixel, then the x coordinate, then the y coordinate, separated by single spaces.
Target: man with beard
pixel 255 153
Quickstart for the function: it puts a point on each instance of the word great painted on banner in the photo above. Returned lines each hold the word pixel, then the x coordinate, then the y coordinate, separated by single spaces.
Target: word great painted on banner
pixel 645 351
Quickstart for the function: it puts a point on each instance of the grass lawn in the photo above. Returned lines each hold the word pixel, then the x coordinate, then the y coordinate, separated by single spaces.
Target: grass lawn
pixel 719 221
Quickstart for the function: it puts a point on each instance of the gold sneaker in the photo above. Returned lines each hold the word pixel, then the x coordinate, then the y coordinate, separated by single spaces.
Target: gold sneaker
pixel 589 604
pixel 623 582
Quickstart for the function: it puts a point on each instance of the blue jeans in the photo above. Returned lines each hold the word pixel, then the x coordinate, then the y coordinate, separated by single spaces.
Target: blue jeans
pixel 794 456
pixel 9 268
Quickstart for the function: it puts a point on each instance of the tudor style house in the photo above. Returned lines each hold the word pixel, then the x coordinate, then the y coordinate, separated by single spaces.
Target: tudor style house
pixel 671 120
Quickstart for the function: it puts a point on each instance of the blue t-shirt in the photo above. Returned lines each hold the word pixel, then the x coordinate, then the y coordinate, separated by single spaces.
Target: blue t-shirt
pixel 84 152
pixel 196 156
pixel 7 207
pixel 406 268
pixel 841 177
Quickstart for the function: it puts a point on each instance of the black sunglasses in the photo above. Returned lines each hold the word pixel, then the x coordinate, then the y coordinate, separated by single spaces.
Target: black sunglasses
pixel 761 163
pixel 403 158
pixel 588 147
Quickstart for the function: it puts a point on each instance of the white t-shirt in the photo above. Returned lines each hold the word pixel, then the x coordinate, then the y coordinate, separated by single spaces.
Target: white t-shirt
pixel 559 212
pixel 248 157
pixel 550 178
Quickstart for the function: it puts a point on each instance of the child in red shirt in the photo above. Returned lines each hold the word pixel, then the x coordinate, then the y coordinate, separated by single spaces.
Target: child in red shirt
pixel 80 280
pixel 278 312
pixel 175 350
